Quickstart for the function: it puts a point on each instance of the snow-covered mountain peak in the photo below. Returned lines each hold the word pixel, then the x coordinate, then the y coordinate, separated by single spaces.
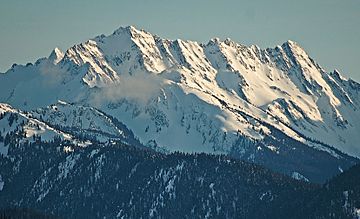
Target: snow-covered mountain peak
pixel 297 54
pixel 291 43
pixel 56 55
pixel 336 74
pixel 129 32
pixel 231 43
pixel 215 40
pixel 125 29
pixel 90 57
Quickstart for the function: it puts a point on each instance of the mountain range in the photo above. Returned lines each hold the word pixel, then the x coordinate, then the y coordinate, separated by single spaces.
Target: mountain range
pixel 161 101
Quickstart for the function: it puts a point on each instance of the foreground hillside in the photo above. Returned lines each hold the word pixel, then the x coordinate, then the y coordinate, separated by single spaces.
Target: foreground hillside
pixel 338 198
pixel 110 181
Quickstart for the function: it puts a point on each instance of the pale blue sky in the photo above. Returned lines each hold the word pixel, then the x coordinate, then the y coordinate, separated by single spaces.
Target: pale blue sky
pixel 329 30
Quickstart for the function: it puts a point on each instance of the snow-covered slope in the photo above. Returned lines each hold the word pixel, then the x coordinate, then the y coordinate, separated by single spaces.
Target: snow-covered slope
pixel 80 125
pixel 192 97
pixel 25 127
pixel 86 123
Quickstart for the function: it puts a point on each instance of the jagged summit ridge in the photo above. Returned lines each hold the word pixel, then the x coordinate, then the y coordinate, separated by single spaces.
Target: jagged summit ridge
pixel 128 50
